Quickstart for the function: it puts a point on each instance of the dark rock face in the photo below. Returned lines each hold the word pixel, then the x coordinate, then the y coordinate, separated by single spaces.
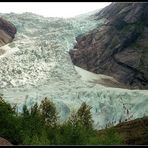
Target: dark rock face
pixel 119 48
pixel 7 32
pixel 134 132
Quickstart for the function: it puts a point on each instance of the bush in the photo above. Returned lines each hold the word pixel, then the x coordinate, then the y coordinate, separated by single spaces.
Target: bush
pixel 37 139
pixel 109 137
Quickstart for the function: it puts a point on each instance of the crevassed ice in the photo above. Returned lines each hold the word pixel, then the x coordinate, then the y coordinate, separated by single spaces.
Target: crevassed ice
pixel 39 52
pixel 37 65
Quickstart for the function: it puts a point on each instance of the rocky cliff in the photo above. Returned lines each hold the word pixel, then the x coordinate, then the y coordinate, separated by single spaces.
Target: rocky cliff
pixel 119 48
pixel 7 31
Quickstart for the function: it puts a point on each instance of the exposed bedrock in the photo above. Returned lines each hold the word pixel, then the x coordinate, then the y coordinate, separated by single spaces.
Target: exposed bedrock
pixel 7 32
pixel 119 48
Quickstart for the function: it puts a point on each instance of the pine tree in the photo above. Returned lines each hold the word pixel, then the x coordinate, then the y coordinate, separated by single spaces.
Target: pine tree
pixel 48 112
pixel 85 116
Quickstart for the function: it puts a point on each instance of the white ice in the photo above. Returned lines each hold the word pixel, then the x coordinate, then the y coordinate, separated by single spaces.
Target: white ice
pixel 37 65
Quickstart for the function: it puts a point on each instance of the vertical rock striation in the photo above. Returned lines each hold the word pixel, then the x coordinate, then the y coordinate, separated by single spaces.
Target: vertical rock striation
pixel 119 48
pixel 7 31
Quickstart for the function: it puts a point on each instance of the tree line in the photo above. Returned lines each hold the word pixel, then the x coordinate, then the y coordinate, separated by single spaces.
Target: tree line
pixel 39 126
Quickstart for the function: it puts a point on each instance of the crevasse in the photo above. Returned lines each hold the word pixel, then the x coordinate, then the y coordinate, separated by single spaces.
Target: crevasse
pixel 37 65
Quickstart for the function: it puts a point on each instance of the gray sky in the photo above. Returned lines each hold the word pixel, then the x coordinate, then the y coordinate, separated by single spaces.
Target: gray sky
pixel 52 9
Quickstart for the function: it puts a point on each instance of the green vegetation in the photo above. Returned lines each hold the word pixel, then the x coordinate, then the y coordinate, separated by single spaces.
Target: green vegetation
pixel 109 137
pixel 39 126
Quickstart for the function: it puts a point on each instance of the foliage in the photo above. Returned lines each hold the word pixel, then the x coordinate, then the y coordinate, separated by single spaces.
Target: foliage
pixel 48 111
pixel 84 115
pixel 110 137
pixel 9 122
pixel 38 126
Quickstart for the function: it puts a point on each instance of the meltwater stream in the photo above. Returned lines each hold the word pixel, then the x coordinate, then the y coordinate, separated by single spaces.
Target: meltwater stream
pixel 37 65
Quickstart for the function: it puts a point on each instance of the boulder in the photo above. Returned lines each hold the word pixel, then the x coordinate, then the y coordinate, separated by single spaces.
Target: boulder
pixel 4 142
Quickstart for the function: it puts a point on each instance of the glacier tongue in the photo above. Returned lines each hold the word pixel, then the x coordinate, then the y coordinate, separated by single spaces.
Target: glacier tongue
pixel 37 65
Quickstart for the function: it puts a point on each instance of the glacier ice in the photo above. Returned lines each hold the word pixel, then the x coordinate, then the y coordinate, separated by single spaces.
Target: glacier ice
pixel 37 65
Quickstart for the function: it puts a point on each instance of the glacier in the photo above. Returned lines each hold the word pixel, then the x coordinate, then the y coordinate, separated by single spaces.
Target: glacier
pixel 37 65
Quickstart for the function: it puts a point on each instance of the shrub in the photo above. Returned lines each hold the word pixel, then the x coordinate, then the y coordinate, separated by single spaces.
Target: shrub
pixel 109 137
pixel 37 139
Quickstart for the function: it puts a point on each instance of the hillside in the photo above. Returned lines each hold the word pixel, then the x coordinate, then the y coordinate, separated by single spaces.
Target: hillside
pixel 119 47
pixel 37 64
pixel 133 132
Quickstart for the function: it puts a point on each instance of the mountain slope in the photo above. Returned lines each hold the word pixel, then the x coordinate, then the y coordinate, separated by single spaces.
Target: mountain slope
pixel 133 132
pixel 7 32
pixel 37 64
pixel 119 47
